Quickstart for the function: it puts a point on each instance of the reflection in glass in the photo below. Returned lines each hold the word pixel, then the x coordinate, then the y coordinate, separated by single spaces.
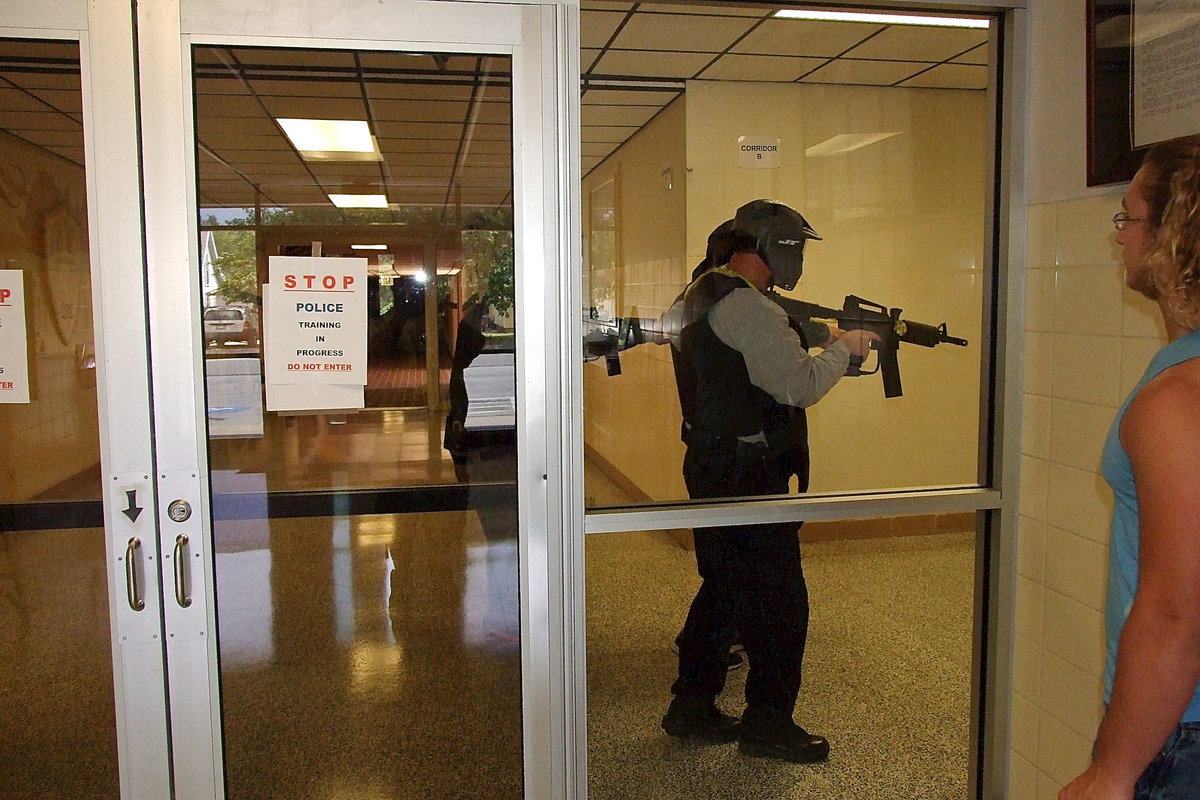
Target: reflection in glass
pixel 58 730
pixel 888 162
pixel 49 447
pixel 370 656
pixel 366 654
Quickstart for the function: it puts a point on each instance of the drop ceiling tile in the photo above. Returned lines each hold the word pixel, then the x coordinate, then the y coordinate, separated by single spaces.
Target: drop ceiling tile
pixel 376 60
pixel 289 57
pixel 16 100
pixel 606 5
pixel 345 173
pixel 56 140
pixel 307 88
pixel 869 73
pixel 399 148
pixel 421 130
pixel 913 43
pixel 230 140
pixel 415 91
pixel 72 154
pixel 952 76
pixel 628 97
pixel 328 108
pixel 423 110
pixel 722 9
pixel 227 105
pixel 24 49
pixel 803 37
pixel 736 67
pixel 67 100
pixel 43 80
pixel 597 149
pixel 596 27
pixel 32 121
pixel 618 115
pixel 263 170
pixel 259 130
pixel 213 85
pixel 246 160
pixel 611 134
pixel 489 175
pixel 648 64
pixel 587 58
pixel 694 33
pixel 494 114
pixel 979 55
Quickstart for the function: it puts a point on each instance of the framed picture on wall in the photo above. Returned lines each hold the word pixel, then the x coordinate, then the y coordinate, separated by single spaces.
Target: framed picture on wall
pixel 1110 154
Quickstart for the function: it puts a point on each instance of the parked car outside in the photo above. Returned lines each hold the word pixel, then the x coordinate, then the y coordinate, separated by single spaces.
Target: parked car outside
pixel 224 324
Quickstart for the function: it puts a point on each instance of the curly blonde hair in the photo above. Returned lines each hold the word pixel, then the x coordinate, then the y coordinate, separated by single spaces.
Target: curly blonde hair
pixel 1171 187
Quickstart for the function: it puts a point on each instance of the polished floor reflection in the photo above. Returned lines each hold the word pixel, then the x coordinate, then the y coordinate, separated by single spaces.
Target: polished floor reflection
pixel 58 734
pixel 369 657
pixel 373 448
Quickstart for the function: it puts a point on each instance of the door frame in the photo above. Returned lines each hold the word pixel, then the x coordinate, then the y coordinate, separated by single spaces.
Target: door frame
pixel 545 172
pixel 131 299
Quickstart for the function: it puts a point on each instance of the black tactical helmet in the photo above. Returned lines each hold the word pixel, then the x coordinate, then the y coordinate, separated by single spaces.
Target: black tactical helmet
pixel 780 233
pixel 723 242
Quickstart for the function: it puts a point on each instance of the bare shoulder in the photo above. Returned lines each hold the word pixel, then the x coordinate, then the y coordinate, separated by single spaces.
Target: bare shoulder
pixel 1167 409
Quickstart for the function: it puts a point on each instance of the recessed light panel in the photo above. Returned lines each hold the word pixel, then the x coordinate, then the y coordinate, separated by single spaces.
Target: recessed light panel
pixel 359 200
pixel 331 139
pixel 883 19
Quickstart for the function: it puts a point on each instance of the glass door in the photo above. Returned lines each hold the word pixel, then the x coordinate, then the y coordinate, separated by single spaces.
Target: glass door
pixel 351 394
pixel 54 616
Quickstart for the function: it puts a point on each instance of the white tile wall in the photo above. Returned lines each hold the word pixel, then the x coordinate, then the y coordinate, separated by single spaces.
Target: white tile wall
pixel 1087 342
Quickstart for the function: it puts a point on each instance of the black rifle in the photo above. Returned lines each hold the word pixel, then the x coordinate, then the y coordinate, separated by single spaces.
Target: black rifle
pixel 857 313
pixel 606 338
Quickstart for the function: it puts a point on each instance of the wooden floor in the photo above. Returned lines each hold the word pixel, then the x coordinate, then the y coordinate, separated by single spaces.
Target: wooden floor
pixel 399 382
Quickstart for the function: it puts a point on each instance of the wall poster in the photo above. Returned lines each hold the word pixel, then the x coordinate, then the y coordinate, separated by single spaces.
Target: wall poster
pixel 315 333
pixel 14 342
pixel 1166 69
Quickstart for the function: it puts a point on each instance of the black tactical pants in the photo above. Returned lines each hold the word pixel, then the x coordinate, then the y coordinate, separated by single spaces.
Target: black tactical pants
pixel 752 581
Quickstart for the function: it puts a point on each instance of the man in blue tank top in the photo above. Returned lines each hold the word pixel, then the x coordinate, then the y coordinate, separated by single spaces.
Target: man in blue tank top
pixel 1148 747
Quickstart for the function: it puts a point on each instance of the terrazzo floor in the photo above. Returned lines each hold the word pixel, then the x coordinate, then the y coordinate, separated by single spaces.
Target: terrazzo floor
pixel 887 674
pixel 371 658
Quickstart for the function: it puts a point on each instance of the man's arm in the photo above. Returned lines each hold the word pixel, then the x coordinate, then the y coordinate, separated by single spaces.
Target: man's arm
pixel 1158 656
pixel 750 323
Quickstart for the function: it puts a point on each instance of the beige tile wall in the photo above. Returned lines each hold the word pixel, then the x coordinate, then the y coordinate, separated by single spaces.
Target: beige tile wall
pixel 43 232
pixel 1087 341
pixel 900 228
pixel 632 420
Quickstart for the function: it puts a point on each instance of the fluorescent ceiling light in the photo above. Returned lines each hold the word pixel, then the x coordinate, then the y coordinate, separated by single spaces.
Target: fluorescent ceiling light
pixel 368 247
pixel 846 143
pixel 331 139
pixel 359 200
pixel 883 19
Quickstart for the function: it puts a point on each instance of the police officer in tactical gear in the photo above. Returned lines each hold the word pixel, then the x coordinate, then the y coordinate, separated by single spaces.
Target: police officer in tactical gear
pixel 745 376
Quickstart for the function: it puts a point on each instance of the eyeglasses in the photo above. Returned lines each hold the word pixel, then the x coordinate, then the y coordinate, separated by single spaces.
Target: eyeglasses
pixel 1121 219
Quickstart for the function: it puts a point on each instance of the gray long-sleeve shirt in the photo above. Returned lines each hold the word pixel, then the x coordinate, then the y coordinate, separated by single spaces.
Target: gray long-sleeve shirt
pixel 747 320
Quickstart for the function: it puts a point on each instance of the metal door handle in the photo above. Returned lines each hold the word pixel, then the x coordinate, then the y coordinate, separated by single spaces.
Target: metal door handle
pixel 131 588
pixel 181 596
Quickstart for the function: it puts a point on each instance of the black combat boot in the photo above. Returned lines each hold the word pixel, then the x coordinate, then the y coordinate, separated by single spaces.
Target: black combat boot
pixel 767 732
pixel 689 716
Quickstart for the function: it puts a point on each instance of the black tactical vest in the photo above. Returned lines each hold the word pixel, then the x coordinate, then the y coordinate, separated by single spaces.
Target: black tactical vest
pixel 715 392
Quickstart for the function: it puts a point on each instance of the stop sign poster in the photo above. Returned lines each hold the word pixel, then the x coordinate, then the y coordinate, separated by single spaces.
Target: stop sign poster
pixel 316 328
pixel 14 355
